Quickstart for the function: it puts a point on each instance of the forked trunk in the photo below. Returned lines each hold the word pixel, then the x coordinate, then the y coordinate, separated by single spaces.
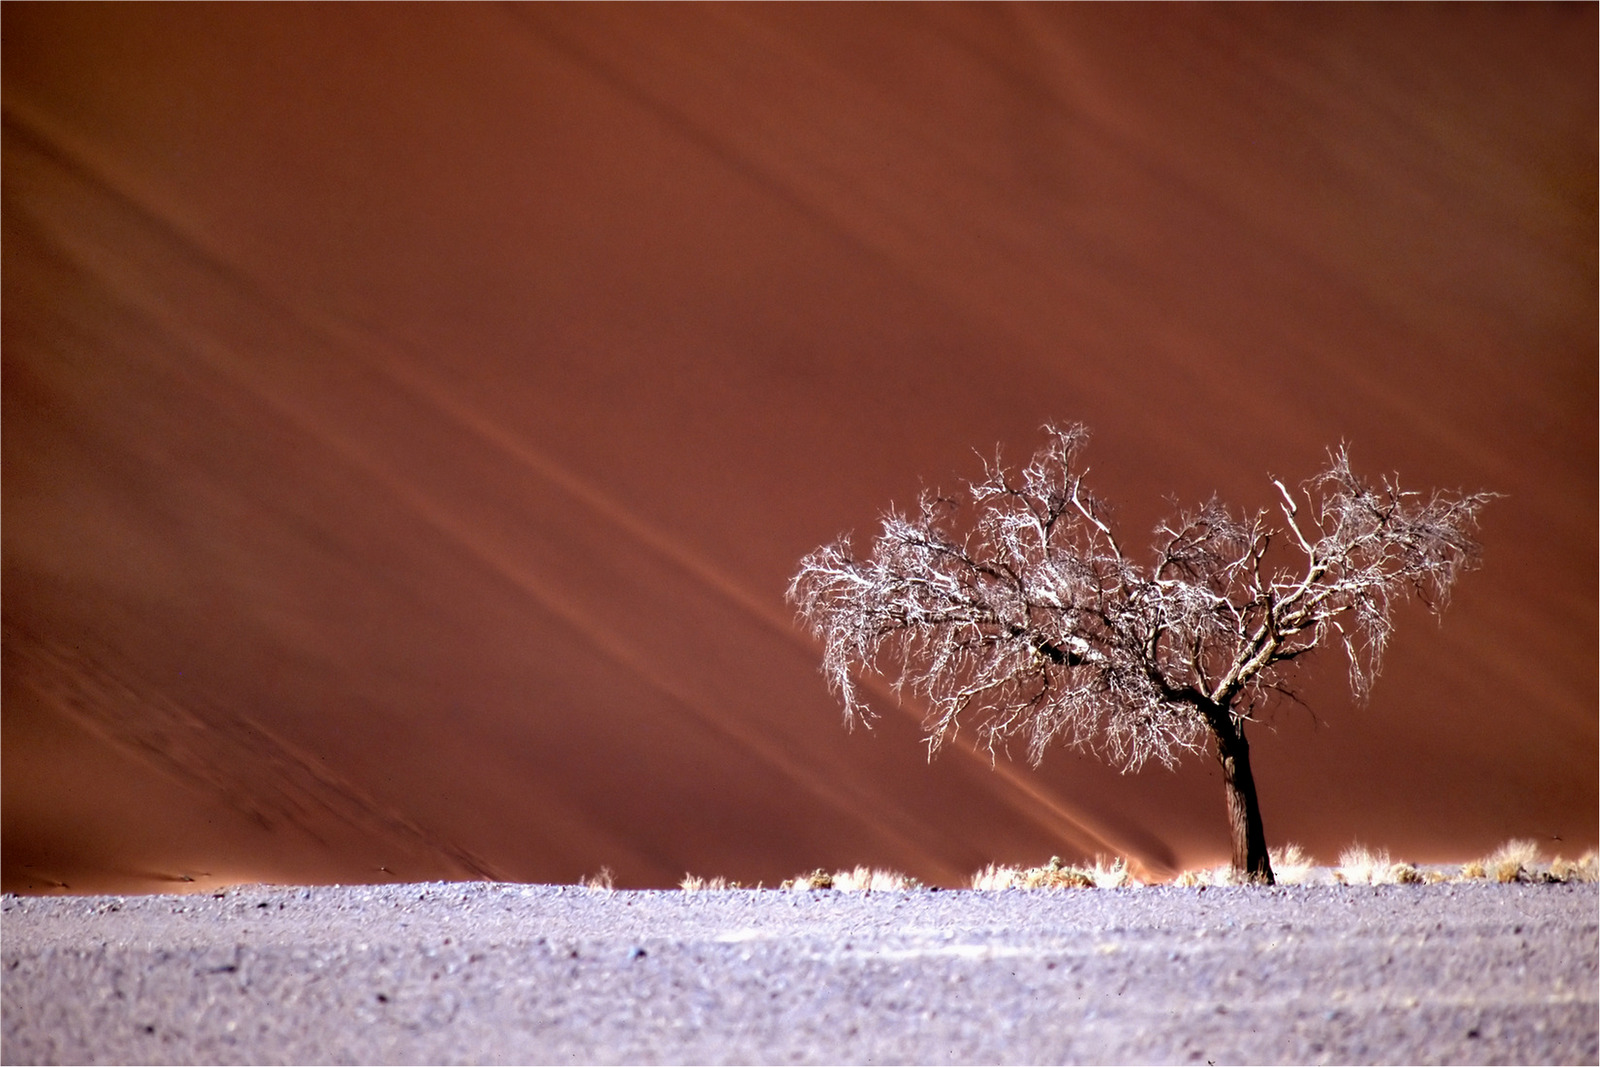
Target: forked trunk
pixel 1250 860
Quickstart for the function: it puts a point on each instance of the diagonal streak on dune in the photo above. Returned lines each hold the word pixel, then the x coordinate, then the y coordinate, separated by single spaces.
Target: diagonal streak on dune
pixel 225 754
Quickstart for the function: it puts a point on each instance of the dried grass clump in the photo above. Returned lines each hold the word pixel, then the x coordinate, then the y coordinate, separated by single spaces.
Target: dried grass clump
pixel 693 884
pixel 865 879
pixel 861 879
pixel 1222 875
pixel 1580 870
pixel 1513 861
pixel 1103 874
pixel 1518 861
pixel 1358 865
pixel 802 883
pixel 600 883
pixel 1111 874
pixel 1403 874
pixel 996 877
pixel 1290 864
pixel 1056 875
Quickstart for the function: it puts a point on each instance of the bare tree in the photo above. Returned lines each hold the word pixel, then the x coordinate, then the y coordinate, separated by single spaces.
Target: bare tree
pixel 1036 623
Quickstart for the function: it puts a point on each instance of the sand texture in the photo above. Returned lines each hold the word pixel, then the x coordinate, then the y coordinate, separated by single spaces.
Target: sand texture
pixel 461 973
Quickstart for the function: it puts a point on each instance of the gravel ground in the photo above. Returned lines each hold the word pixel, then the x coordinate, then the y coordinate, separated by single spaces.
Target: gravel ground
pixel 479 972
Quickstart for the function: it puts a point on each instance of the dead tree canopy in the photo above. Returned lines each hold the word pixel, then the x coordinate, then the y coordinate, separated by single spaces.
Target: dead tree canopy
pixel 1018 614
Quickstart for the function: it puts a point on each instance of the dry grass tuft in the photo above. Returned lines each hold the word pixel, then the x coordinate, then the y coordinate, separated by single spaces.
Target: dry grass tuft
pixel 1360 866
pixel 1103 874
pixel 1580 870
pixel 1055 875
pixel 817 879
pixel 693 884
pixel 861 879
pixel 600 883
pixel 1473 870
pixel 1290 864
pixel 1513 861
pixel 1222 875
pixel 996 877
pixel 1111 874
pixel 1403 874
pixel 864 879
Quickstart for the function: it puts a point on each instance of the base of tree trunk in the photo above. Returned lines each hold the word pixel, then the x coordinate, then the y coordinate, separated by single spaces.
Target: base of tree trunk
pixel 1251 863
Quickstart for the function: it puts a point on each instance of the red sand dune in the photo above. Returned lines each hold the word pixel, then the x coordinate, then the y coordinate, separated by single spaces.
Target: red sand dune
pixel 412 415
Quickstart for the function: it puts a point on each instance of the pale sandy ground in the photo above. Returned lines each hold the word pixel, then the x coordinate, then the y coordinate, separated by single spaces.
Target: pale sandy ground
pixel 484 972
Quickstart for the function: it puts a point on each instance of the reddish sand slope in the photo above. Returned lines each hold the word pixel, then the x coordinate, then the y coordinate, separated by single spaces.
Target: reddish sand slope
pixel 412 415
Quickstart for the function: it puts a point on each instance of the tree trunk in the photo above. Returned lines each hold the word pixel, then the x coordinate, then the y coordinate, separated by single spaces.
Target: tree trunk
pixel 1250 860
